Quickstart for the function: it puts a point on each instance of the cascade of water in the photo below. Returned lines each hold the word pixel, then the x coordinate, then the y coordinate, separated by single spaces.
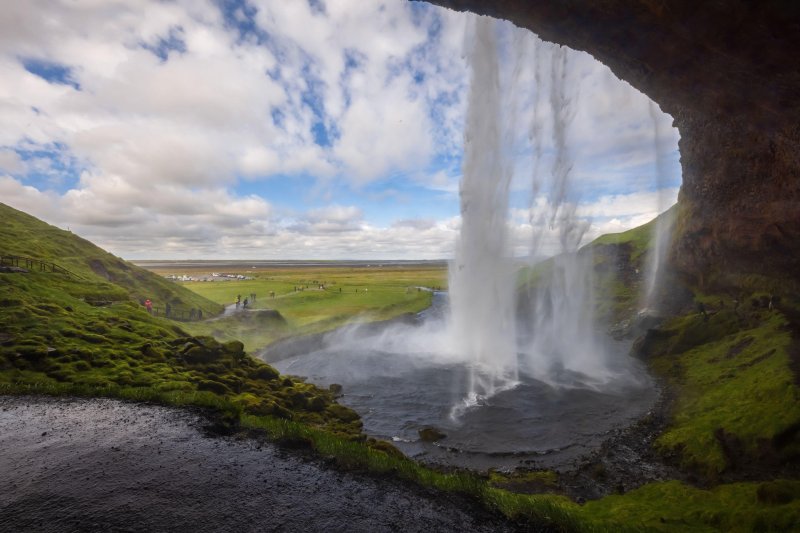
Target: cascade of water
pixel 557 341
pixel 481 281
pixel 560 307
pixel 662 228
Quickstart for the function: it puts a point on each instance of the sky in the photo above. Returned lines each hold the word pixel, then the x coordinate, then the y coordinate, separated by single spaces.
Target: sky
pixel 294 129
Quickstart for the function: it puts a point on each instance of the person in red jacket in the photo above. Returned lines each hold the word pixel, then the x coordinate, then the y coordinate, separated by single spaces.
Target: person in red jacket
pixel 149 306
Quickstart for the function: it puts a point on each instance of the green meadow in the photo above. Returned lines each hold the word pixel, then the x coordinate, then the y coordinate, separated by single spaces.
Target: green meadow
pixel 311 299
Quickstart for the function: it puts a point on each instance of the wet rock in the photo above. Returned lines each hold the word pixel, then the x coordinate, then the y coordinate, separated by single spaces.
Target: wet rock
pixel 430 434
pixel 336 389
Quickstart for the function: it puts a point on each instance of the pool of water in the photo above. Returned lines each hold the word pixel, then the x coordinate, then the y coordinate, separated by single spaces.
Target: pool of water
pixel 401 379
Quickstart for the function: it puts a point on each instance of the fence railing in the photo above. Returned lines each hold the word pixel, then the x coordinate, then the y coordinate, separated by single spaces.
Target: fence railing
pixel 35 264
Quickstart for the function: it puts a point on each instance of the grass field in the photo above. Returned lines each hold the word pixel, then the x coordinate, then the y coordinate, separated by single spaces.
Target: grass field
pixel 311 299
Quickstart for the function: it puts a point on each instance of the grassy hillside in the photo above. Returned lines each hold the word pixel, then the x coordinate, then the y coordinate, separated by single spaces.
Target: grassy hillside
pixel 110 278
pixel 88 334
pixel 730 360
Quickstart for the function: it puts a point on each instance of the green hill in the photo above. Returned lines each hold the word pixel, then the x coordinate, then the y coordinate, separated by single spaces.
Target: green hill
pixel 109 277
pixel 85 332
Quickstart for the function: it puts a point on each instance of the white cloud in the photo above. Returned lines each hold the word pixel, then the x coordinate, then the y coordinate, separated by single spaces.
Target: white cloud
pixel 152 149
pixel 11 162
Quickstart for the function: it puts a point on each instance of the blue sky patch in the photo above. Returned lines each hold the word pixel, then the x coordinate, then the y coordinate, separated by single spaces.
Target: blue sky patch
pixel 51 72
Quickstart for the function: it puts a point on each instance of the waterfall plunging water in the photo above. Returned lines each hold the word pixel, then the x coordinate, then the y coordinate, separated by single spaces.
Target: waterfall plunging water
pixel 561 340
pixel 556 340
pixel 481 278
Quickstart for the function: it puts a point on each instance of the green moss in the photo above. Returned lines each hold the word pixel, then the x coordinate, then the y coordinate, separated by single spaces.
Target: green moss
pixel 736 391
pixel 673 506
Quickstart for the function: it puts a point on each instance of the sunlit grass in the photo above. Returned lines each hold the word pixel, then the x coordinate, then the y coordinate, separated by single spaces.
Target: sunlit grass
pixel 316 299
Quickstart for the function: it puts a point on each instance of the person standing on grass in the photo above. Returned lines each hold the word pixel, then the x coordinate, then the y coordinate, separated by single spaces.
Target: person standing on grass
pixel 149 306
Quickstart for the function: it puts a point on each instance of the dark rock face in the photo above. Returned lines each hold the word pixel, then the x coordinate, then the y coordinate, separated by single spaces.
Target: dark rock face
pixel 740 199
pixel 729 73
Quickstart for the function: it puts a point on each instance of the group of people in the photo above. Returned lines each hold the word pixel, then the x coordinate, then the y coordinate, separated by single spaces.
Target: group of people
pixel 247 300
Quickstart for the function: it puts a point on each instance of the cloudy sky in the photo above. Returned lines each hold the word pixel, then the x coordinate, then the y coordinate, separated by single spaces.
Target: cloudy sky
pixel 292 129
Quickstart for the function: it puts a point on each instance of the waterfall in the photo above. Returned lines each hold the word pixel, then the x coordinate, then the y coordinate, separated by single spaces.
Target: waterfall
pixel 481 276
pixel 554 340
pixel 662 228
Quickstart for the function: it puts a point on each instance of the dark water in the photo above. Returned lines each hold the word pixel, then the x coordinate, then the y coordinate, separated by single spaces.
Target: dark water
pixel 102 465
pixel 399 383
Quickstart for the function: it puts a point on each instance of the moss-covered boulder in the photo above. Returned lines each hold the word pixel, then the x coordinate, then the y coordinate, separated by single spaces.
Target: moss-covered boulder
pixel 345 414
pixel 265 372
pixel 214 386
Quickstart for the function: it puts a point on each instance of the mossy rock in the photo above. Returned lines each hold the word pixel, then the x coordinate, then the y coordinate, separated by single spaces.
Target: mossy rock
pixel 92 338
pixel 265 372
pixel 198 354
pixel 234 348
pixel 214 386
pixel 316 404
pixel 345 414
pixel 183 386
pixel 385 447
pixel 63 375
pixel 81 366
pixel 298 399
pixel 248 401
pixel 148 350
pixel 271 408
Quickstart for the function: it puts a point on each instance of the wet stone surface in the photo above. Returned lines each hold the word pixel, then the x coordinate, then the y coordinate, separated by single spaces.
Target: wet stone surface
pixel 105 465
